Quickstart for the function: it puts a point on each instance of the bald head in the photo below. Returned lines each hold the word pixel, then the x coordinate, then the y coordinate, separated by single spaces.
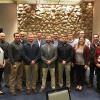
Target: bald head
pixel 30 37
pixel 2 36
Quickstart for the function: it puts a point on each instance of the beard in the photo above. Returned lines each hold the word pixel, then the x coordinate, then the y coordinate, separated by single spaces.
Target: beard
pixel 2 41
pixel 48 41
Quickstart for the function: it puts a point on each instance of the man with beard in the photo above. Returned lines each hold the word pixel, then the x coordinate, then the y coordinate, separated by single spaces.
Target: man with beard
pixel 65 55
pixel 48 55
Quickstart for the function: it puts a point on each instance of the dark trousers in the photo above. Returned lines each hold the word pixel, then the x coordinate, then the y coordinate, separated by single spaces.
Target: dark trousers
pixel 39 71
pixel 56 72
pixel 73 75
pixel 80 74
pixel 91 75
pixel 1 72
pixel 98 78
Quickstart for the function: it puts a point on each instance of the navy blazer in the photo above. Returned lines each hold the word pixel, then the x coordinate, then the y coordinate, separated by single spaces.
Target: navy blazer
pixel 30 52
pixel 42 43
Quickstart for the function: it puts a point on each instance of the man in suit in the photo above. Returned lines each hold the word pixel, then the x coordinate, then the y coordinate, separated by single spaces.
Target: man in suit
pixel 70 40
pixel 23 40
pixel 48 55
pixel 39 41
pixel 55 38
pixel 7 56
pixel 30 56
pixel 65 55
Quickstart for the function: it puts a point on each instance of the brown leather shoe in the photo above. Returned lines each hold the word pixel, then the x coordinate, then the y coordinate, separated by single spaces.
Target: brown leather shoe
pixel 42 90
pixel 34 90
pixel 19 91
pixel 28 92
pixel 13 93
pixel 90 85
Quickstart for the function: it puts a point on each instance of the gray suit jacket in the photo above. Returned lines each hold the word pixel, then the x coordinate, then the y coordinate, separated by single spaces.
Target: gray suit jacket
pixel 48 55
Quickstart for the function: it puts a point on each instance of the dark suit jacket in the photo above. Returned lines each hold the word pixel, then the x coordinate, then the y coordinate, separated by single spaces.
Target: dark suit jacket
pixel 65 52
pixel 42 43
pixel 30 53
pixel 6 48
pixel 51 55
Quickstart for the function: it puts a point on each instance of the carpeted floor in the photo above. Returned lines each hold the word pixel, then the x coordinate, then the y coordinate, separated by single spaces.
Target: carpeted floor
pixel 86 94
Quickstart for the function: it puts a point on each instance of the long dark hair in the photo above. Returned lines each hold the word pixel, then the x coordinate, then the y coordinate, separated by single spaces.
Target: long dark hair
pixel 79 40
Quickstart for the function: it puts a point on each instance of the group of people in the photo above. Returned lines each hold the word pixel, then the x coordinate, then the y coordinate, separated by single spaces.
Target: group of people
pixel 60 54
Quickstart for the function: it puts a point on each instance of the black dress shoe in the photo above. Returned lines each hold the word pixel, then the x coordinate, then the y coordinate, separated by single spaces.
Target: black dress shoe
pixel 98 90
pixel 13 93
pixel 19 91
pixel 6 86
pixel 34 90
pixel 90 85
pixel 42 90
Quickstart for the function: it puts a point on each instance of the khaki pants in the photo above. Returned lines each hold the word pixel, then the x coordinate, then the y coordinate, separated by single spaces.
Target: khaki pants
pixel 7 71
pixel 15 76
pixel 31 72
pixel 44 77
pixel 67 68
